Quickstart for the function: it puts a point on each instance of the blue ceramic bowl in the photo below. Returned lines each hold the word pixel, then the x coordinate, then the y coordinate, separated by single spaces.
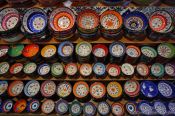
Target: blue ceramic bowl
pixel 43 69
pixel 148 89
pixel 131 108
pixel 166 89
pixel 99 69
pixel 145 108
pixel 60 48
pixel 37 16
pixel 120 45
pixel 160 108
pixel 136 24
pixel 33 105
pixel 171 107
pixel 7 106
pixel 31 18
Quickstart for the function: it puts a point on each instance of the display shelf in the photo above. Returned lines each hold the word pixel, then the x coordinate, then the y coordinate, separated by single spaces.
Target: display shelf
pixel 123 101
pixel 77 39
pixel 79 78
pixel 91 78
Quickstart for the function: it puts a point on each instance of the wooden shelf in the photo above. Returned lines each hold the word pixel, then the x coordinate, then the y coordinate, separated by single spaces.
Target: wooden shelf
pixel 96 40
pixel 92 79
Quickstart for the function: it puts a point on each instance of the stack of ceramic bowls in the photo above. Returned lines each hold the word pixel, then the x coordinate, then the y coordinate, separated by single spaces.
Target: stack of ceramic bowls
pixel 30 69
pixel 3 88
pixel 62 23
pixel 20 3
pixel 127 69
pixel 16 69
pixel 166 52
pixel 15 52
pixel 83 51
pixel 117 52
pixel 61 107
pixel 48 88
pixel 132 54
pixel 47 106
pixel 81 90
pixel 31 51
pixel 148 54
pixel 145 108
pixel 157 70
pixel 35 24
pixel 161 25
pixel 135 25
pixel 49 52
pixel 113 70
pixel 148 89
pixel 98 91
pixel 57 69
pixel 89 109
pixel 32 88
pixel 117 109
pixel 114 91
pixel 142 70
pixel 132 88
pixel 75 108
pixel 169 2
pixel 170 69
pixel 100 52
pixel 103 108
pixel 43 70
pixel 112 2
pixel 111 24
pixel 19 106
pixel 7 106
pixel 65 51
pixel 85 70
pixel 10 25
pixel 48 2
pixel 64 90
pixel 4 69
pixel 71 70
pixel 131 108
pixel 87 23
pixel 166 89
pixel 15 88
pixel 147 2
pixel 99 70
pixel 3 52
pixel 171 107
pixel 33 105
pixel 160 108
